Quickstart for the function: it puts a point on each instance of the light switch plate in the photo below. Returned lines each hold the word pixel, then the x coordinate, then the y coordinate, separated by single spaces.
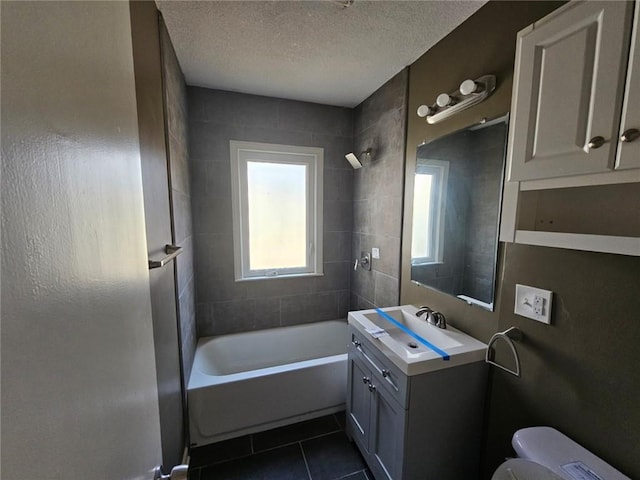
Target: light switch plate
pixel 533 303
pixel 375 252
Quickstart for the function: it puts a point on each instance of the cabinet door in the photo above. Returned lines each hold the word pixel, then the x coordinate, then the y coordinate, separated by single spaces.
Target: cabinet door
pixel 629 148
pixel 568 85
pixel 387 433
pixel 359 402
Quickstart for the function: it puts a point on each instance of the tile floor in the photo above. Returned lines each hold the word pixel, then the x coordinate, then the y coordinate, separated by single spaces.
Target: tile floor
pixel 316 449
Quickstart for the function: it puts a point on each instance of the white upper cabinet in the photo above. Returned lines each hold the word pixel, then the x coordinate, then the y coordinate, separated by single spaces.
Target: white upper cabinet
pixel 568 93
pixel 629 146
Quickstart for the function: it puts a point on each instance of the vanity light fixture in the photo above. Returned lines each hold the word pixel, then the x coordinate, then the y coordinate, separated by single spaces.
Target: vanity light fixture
pixel 359 161
pixel 469 93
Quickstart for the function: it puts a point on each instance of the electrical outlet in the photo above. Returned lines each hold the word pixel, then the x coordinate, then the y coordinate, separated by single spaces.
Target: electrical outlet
pixel 533 303
pixel 375 252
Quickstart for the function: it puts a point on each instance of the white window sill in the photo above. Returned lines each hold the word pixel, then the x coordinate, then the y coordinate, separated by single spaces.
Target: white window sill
pixel 275 277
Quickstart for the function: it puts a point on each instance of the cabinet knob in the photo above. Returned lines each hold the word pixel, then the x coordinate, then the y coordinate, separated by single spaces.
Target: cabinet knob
pixel 356 343
pixel 630 135
pixel 385 372
pixel 366 380
pixel 372 387
pixel 596 142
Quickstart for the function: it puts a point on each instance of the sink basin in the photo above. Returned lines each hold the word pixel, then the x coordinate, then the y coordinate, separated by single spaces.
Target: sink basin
pixel 438 337
pixel 412 344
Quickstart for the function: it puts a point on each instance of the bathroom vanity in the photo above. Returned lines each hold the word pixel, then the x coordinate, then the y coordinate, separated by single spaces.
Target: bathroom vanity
pixel 413 414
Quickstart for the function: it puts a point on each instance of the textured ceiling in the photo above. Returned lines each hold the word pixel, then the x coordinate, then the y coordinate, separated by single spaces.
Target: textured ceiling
pixel 316 51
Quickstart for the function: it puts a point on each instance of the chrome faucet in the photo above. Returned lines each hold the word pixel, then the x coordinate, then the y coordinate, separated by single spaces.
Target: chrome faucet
pixel 433 318
pixel 422 310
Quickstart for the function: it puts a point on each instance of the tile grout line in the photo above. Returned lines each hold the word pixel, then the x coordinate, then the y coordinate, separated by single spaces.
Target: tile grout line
pixel 300 441
pixel 304 457
pixel 254 452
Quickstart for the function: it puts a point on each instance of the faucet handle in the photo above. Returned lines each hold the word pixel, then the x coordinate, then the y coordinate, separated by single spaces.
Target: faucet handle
pixel 440 320
pixel 423 309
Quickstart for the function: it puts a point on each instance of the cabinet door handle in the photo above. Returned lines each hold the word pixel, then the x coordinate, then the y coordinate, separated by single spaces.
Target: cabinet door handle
pixel 366 380
pixel 596 142
pixel 385 372
pixel 372 387
pixel 630 135
pixel 356 343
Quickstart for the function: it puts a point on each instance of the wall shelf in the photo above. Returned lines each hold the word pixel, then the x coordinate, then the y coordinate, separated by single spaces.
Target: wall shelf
pixel 581 241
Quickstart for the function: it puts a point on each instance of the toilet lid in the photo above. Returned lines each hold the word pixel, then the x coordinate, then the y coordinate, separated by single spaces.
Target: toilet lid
pixel 519 469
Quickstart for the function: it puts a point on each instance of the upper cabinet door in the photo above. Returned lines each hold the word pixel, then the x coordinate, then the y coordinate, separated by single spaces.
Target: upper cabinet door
pixel 629 147
pixel 568 84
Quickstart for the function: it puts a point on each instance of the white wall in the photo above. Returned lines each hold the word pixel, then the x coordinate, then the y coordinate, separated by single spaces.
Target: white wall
pixel 79 396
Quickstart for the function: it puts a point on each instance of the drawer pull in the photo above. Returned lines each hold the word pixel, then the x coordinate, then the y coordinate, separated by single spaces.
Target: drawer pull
pixel 630 135
pixel 596 142
pixel 366 380
pixel 382 371
pixel 372 388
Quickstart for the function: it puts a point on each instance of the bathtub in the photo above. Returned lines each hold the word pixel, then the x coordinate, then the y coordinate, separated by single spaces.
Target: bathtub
pixel 248 382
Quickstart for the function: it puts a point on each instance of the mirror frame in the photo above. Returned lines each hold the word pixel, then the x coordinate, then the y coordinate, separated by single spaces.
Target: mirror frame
pixel 490 306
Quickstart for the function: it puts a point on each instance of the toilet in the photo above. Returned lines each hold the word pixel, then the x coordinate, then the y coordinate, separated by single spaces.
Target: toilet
pixel 546 454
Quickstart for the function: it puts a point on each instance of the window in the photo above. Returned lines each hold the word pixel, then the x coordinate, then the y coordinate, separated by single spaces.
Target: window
pixel 277 210
pixel 429 200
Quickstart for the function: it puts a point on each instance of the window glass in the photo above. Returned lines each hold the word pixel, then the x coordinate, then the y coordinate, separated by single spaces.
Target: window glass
pixel 277 215
pixel 430 193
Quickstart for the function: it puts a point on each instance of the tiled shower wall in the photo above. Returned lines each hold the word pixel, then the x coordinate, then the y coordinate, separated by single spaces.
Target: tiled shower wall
pixel 380 124
pixel 224 305
pixel 177 145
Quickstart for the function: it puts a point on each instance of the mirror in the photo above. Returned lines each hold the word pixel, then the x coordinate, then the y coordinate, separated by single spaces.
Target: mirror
pixel 456 212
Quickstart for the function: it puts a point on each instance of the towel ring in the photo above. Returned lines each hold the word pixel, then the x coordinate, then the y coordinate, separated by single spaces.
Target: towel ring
pixel 508 336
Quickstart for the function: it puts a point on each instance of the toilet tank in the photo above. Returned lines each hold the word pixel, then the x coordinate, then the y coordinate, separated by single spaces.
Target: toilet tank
pixel 566 458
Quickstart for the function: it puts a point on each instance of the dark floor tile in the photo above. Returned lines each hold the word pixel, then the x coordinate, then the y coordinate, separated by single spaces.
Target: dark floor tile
pixel 332 456
pixel 285 463
pixel 294 433
pixel 220 451
pixel 341 418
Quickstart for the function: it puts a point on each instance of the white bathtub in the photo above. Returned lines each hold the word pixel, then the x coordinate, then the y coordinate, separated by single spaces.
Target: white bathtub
pixel 248 382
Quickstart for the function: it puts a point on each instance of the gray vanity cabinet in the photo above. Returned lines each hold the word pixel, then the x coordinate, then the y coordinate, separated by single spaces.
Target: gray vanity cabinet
pixel 387 433
pixel 359 401
pixel 375 418
pixel 421 427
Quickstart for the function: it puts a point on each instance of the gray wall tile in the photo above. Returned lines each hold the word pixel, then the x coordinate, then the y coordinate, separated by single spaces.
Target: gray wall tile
pixel 390 96
pixel 175 99
pixel 338 215
pixel 182 222
pixel 387 292
pixel 309 307
pixel 380 123
pixel 184 265
pixel 226 305
pixel 336 277
pixel 337 246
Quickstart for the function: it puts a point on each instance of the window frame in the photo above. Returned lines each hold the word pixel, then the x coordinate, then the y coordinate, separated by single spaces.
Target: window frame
pixel 313 159
pixel 439 170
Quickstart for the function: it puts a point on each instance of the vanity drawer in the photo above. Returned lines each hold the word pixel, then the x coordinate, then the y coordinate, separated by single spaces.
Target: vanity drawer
pixel 385 374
